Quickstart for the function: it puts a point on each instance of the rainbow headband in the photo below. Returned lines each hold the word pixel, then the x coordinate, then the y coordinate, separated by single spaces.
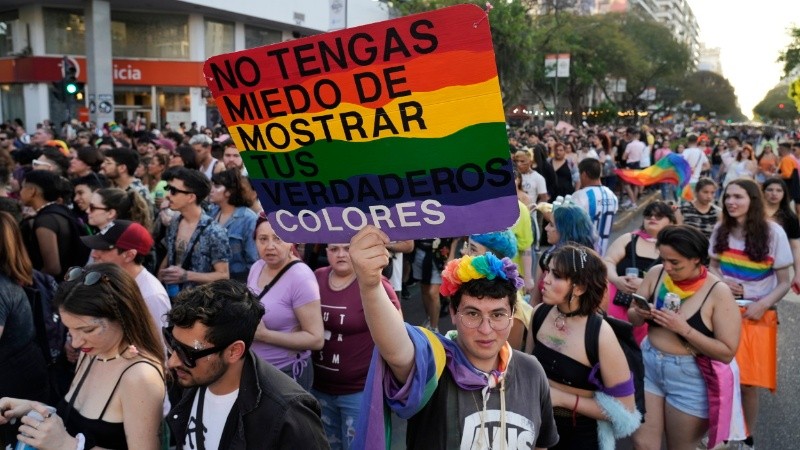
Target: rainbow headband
pixel 468 268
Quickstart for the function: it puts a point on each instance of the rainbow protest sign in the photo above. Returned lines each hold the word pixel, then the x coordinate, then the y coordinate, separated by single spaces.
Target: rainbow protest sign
pixel 671 169
pixel 398 124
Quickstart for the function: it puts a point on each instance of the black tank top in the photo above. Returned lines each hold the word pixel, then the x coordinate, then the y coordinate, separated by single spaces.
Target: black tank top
pixel 696 321
pixel 109 435
pixel 557 366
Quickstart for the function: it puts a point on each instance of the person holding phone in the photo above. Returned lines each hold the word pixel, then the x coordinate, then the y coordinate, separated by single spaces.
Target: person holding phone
pixel 707 322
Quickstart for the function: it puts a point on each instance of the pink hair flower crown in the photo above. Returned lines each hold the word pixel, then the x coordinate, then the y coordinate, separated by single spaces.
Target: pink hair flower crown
pixel 468 268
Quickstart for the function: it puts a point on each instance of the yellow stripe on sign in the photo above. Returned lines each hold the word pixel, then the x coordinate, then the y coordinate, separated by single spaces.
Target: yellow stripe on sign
pixel 420 115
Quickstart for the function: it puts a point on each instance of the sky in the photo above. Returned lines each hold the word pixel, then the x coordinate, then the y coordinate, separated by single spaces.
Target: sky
pixel 750 35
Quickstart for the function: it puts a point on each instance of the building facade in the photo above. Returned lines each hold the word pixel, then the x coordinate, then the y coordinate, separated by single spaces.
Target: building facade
pixel 154 52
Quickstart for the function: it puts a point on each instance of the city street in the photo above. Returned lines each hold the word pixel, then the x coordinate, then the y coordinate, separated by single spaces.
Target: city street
pixel 777 422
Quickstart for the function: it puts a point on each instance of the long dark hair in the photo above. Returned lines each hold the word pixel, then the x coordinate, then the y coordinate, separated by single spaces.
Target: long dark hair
pixel 755 227
pixel 785 211
pixel 115 297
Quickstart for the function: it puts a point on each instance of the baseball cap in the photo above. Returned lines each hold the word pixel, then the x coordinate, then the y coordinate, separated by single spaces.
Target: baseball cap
pixel 124 235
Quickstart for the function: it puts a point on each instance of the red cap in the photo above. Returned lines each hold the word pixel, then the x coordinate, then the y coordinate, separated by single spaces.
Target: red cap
pixel 124 235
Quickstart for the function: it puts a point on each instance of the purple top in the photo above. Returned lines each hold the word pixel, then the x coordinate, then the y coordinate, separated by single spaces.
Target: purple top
pixel 295 288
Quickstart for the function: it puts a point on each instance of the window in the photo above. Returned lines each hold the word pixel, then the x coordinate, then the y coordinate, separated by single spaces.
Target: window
pixel 219 38
pixel 6 38
pixel 65 32
pixel 146 35
pixel 257 36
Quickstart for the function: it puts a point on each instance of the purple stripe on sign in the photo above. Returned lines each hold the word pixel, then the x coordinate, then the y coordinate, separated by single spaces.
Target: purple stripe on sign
pixel 409 220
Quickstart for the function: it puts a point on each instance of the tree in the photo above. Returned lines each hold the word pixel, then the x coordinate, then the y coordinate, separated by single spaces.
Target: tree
pixel 512 30
pixel 712 92
pixel 791 56
pixel 777 106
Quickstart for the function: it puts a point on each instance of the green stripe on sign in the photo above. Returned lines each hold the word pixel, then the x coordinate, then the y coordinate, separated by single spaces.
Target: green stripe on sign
pixel 325 161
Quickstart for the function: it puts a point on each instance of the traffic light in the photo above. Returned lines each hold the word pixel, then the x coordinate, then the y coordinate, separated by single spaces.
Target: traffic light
pixel 70 85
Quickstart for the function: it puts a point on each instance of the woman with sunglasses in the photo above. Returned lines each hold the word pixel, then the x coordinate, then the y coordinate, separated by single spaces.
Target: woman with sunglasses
pixel 117 395
pixel 571 341
pixel 292 326
pixel 232 198
pixel 752 255
pixel 109 204
pixel 629 258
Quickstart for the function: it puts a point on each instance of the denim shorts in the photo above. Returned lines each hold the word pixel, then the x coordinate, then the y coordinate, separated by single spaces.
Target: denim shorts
pixel 339 417
pixel 676 378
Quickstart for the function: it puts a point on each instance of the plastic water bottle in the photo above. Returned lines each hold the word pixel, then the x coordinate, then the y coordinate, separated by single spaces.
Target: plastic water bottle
pixel 35 415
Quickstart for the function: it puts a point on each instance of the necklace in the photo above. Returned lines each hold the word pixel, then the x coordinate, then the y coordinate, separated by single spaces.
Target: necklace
pixel 340 286
pixel 560 321
pixel 107 359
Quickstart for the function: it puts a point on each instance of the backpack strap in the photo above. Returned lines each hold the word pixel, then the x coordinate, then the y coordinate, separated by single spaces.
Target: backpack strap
pixel 591 338
pixel 538 318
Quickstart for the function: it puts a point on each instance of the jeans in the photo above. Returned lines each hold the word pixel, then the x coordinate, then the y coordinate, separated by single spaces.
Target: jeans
pixel 339 417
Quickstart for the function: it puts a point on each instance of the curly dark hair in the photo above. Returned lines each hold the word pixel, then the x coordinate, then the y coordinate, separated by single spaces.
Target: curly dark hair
pixel 584 267
pixel 756 229
pixel 227 307
pixel 485 288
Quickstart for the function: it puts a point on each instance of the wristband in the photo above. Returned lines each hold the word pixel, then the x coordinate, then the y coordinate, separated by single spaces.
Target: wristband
pixel 81 441
pixel 185 276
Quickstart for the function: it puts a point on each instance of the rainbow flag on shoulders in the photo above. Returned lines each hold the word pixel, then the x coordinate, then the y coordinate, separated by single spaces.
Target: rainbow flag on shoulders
pixel 671 169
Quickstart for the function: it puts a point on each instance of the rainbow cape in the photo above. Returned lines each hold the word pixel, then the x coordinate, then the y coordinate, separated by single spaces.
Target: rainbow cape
pixel 432 356
pixel 671 169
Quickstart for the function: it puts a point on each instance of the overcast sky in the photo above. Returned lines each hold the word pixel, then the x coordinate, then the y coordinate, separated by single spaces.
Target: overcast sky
pixel 750 35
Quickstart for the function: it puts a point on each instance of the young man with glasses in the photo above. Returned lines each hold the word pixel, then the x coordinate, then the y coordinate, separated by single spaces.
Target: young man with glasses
pixel 470 392
pixel 209 334
pixel 198 250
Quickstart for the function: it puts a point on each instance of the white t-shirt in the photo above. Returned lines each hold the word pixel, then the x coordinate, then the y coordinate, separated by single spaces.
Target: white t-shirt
pixel 215 412
pixel 533 184
pixel 634 151
pixel 696 158
pixel 155 296
pixel 397 272
pixel 601 204
pixel 757 278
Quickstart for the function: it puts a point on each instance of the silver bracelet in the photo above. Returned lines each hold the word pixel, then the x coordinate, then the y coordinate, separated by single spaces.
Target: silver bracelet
pixel 81 441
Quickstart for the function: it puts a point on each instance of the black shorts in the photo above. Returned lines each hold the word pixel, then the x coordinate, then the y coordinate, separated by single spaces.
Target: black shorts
pixel 633 165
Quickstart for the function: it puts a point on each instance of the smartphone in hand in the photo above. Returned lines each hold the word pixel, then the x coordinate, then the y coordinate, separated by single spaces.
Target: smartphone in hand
pixel 641 302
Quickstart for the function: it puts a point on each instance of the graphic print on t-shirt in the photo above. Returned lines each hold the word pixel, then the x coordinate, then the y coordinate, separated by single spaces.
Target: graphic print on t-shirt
pixel 330 314
pixel 520 433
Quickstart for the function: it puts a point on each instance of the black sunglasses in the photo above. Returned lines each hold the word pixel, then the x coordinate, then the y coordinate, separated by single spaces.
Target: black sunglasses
pixel 76 272
pixel 186 354
pixel 173 190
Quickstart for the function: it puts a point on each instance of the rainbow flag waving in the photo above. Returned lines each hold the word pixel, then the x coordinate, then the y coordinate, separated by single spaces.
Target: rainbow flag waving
pixel 671 169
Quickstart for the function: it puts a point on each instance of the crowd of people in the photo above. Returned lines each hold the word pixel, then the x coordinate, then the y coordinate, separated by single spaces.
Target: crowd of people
pixel 180 318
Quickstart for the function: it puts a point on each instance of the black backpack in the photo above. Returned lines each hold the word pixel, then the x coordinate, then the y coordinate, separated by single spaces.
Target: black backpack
pixel 51 334
pixel 624 332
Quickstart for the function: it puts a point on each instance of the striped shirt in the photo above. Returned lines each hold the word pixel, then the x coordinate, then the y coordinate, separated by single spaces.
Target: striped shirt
pixel 601 204
pixel 703 222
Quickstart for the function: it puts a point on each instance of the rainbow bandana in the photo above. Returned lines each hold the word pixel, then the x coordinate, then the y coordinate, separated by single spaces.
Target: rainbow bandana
pixel 684 289
pixel 468 268
pixel 736 264
pixel 671 169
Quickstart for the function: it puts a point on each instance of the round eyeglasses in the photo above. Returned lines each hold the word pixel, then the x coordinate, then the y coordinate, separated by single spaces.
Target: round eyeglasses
pixel 498 321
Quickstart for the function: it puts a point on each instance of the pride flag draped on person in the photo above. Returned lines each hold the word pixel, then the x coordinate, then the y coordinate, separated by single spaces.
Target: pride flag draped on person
pixel 672 169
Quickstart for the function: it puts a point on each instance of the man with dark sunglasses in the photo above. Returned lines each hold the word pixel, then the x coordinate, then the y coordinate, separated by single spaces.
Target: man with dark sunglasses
pixel 233 400
pixel 198 249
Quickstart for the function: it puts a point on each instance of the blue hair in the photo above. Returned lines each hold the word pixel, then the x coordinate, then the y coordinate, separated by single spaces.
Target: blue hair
pixel 501 243
pixel 574 225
